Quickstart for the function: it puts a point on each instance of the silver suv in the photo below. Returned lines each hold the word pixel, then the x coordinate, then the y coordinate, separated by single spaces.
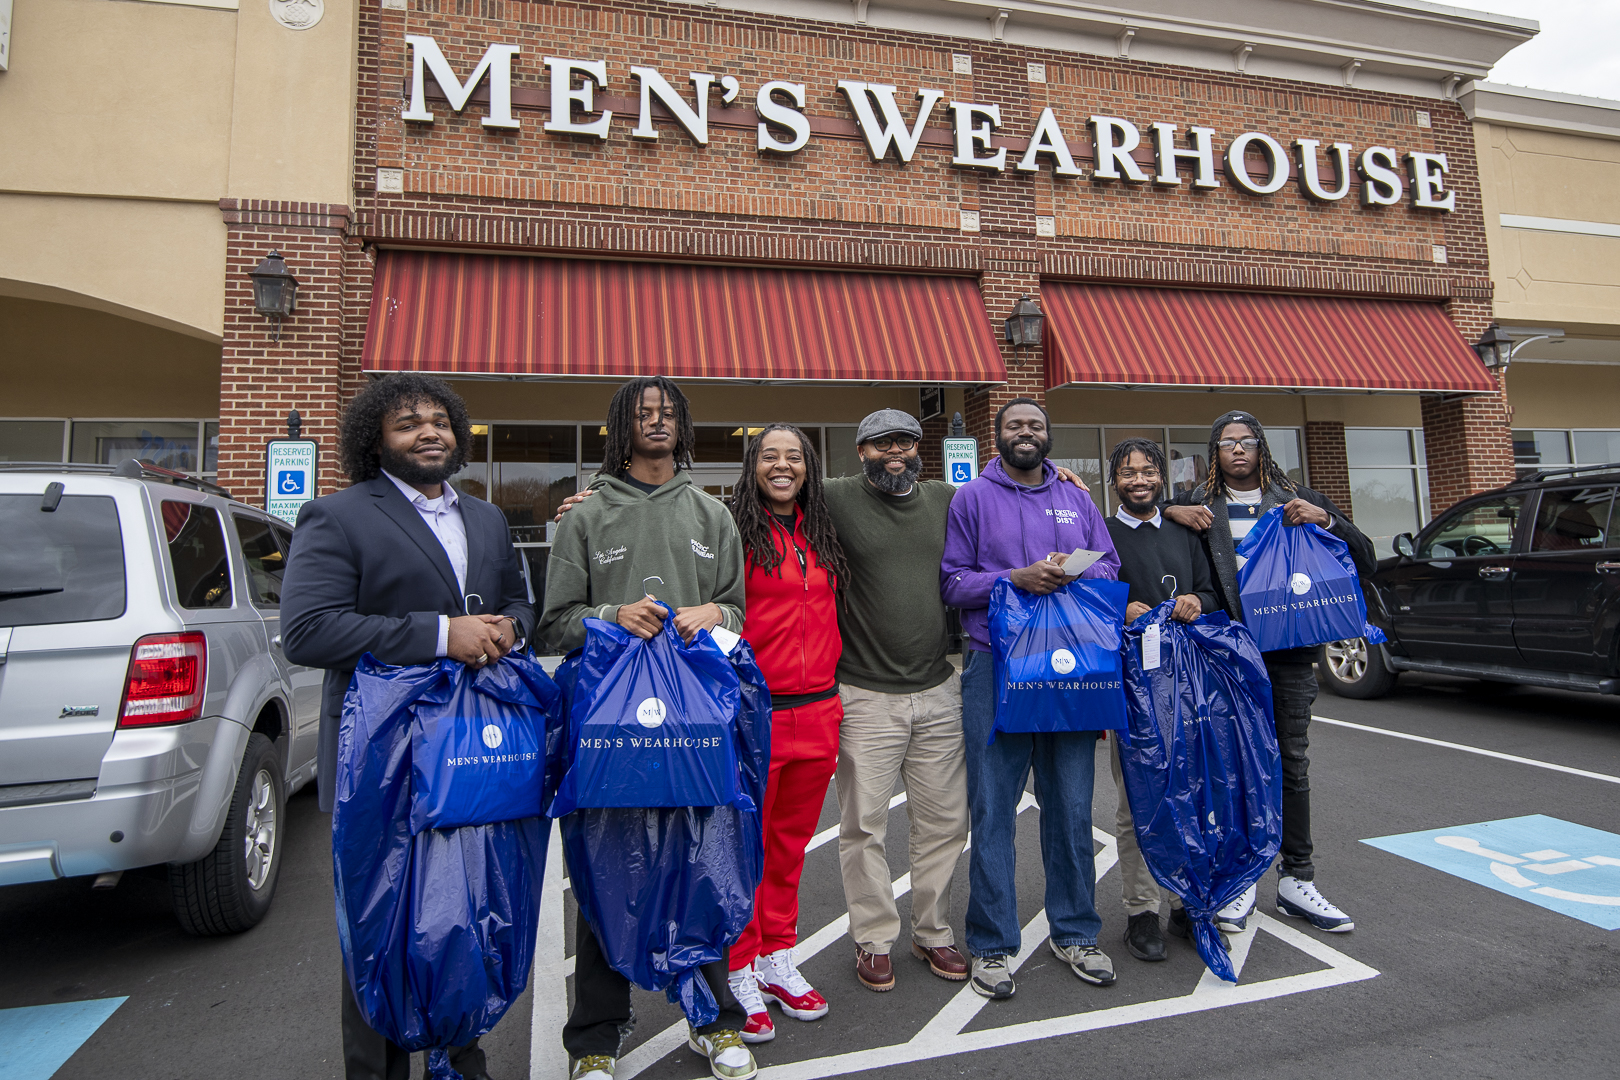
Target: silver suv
pixel 147 715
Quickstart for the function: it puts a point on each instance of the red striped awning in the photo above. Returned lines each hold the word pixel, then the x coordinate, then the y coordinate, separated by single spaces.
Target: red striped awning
pixel 518 315
pixel 1119 335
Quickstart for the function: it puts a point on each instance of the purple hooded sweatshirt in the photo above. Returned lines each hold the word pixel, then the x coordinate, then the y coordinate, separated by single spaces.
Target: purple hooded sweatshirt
pixel 997 525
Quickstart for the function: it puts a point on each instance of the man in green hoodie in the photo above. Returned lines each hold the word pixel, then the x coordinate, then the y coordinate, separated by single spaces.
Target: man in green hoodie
pixel 647 535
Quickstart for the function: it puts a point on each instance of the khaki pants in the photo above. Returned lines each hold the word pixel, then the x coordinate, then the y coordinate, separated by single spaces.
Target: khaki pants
pixel 885 738
pixel 1141 892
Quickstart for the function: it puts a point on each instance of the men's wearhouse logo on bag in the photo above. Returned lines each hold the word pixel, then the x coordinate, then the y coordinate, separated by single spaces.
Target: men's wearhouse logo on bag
pixel 492 736
pixel 651 713
pixel 1299 584
pixel 1062 661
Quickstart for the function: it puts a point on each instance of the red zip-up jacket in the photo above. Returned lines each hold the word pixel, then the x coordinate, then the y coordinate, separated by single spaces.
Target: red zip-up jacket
pixel 792 619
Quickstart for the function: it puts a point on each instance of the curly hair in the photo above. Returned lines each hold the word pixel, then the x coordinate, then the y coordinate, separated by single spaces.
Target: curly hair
pixel 621 424
pixel 755 521
pixel 361 429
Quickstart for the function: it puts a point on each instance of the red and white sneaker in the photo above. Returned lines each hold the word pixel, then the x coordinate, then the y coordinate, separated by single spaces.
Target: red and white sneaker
pixel 780 981
pixel 745 988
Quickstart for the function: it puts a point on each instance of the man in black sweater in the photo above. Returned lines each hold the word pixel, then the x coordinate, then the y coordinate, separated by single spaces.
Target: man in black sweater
pixel 1158 559
pixel 1244 482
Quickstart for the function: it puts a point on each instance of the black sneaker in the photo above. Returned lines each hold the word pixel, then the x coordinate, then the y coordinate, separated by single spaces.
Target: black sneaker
pixel 1181 926
pixel 1143 938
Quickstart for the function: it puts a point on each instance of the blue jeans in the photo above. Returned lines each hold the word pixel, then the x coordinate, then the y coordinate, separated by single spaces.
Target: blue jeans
pixel 1064 765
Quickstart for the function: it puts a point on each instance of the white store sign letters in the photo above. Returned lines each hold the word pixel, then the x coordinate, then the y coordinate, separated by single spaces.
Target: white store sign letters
pixel 1253 161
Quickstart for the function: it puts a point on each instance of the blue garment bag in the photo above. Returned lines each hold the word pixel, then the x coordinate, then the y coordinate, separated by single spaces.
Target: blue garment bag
pixel 477 753
pixel 1057 661
pixel 1200 764
pixel 653 725
pixel 1298 586
pixel 437 925
pixel 667 890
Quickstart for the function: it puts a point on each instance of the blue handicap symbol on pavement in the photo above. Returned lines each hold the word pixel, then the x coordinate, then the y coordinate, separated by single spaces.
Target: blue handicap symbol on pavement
pixel 290 482
pixel 39 1039
pixel 961 472
pixel 1568 868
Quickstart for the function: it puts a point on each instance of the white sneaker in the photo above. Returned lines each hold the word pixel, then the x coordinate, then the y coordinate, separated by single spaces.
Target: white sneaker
pixel 745 988
pixel 1301 900
pixel 780 981
pixel 593 1067
pixel 1234 917
pixel 728 1058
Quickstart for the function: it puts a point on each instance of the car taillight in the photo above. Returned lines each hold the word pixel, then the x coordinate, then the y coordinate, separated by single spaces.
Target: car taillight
pixel 167 676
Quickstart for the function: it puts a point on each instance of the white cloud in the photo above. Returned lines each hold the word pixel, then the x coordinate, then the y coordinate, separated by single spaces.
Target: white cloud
pixel 1577 51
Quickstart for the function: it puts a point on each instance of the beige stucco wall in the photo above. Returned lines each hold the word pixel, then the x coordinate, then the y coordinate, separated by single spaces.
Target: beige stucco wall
pixel 57 360
pixel 154 262
pixel 1564 395
pixel 124 125
pixel 1135 407
pixel 1559 279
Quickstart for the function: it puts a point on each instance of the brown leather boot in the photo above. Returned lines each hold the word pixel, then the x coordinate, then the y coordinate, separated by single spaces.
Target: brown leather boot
pixel 874 970
pixel 946 961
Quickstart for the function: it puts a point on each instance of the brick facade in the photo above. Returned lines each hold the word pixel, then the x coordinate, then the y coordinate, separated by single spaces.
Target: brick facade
pixel 530 192
pixel 1329 464
pixel 262 380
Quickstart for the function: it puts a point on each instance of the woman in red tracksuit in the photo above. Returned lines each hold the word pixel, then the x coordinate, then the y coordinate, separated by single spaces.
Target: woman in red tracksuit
pixel 794 568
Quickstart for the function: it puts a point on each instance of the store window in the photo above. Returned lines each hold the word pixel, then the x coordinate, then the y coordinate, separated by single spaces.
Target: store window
pixel 168 445
pixel 1544 448
pixel 31 440
pixel 1388 482
pixel 841 457
pixel 533 468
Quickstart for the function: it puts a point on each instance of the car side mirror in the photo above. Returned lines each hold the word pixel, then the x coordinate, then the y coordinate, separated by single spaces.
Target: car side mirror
pixel 1404 545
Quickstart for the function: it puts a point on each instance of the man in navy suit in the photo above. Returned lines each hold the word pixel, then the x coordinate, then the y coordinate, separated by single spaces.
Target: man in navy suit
pixel 404 567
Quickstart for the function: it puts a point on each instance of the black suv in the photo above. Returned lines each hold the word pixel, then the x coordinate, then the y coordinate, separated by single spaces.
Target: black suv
pixel 1516 585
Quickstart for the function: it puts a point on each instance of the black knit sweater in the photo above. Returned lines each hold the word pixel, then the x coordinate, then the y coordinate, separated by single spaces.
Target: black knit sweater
pixel 1147 555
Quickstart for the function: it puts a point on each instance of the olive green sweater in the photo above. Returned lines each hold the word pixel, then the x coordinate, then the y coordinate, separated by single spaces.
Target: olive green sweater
pixel 607 545
pixel 891 616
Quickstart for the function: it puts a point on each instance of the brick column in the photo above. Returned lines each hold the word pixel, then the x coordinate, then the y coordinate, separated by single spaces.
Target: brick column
pixel 262 380
pixel 1468 441
pixel 1329 465
pixel 1469 446
pixel 1003 282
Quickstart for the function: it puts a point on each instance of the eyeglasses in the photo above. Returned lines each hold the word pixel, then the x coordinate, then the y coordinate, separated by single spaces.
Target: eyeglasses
pixel 1250 443
pixel 898 442
pixel 1132 474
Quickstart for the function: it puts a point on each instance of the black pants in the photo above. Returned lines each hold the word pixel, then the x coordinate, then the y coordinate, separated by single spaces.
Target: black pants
pixel 1293 691
pixel 369 1056
pixel 602 1016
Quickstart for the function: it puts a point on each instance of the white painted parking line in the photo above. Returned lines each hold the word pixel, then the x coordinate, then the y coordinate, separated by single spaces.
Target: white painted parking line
pixel 1471 750
pixel 656 1048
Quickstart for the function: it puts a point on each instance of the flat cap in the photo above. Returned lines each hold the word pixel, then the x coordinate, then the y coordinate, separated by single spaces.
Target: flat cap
pixel 888 422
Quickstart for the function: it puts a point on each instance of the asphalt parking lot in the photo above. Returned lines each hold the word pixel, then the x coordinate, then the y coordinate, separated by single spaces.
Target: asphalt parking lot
pixel 1465 962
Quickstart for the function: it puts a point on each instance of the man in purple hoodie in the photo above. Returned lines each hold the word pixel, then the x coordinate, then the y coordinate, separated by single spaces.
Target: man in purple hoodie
pixel 1018 521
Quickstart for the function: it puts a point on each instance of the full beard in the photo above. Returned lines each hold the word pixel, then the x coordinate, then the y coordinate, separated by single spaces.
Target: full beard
pixel 1023 457
pixel 412 471
pixel 892 483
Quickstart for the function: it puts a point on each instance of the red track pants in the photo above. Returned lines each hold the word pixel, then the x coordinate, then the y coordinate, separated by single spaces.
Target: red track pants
pixel 804 753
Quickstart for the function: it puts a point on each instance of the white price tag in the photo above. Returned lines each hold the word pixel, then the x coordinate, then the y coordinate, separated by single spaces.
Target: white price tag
pixel 1079 561
pixel 1150 647
pixel 724 638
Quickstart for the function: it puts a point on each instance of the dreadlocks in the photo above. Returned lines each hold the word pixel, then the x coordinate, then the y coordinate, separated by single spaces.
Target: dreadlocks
pixel 622 418
pixel 1271 474
pixel 360 433
pixel 753 514
pixel 1126 447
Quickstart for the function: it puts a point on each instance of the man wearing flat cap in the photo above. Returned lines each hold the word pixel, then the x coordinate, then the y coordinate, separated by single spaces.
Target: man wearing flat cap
pixel 902 701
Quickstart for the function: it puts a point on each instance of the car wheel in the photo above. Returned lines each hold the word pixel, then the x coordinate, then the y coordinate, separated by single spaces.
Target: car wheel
pixel 1355 669
pixel 228 890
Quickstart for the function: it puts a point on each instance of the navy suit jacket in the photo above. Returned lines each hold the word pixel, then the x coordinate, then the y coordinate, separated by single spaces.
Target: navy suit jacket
pixel 367 575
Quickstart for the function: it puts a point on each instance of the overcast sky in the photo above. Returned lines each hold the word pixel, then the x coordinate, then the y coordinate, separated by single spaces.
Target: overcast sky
pixel 1577 51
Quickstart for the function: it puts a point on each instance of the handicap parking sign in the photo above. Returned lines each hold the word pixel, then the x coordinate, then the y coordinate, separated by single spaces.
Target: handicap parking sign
pixel 1568 868
pixel 289 476
pixel 290 482
pixel 961 472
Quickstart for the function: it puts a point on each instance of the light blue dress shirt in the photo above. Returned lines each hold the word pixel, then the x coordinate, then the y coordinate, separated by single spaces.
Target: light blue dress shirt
pixel 443 518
